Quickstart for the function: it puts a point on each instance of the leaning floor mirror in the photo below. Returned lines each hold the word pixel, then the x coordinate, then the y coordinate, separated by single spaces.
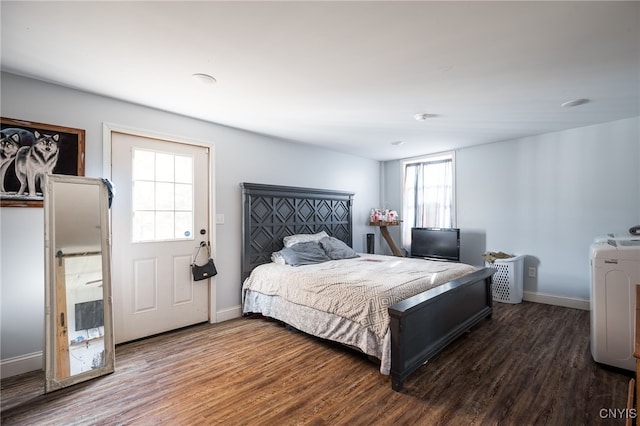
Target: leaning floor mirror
pixel 79 342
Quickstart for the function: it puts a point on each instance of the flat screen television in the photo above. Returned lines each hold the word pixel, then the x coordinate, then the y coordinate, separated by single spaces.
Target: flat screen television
pixel 89 315
pixel 436 243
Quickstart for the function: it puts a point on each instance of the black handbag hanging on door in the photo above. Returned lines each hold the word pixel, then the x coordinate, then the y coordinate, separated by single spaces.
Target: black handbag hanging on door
pixel 202 272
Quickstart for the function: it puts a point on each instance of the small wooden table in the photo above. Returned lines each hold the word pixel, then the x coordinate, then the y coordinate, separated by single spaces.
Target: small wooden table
pixel 385 233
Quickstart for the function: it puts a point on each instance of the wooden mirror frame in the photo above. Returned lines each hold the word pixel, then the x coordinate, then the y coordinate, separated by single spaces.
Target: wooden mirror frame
pixel 57 327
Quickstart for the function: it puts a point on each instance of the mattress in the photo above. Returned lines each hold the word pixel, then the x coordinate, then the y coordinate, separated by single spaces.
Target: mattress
pixel 345 300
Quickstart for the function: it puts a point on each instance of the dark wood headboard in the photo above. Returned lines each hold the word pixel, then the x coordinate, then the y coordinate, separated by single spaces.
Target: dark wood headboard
pixel 270 213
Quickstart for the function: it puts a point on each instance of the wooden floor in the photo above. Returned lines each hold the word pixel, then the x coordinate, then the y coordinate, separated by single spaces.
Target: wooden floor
pixel 529 364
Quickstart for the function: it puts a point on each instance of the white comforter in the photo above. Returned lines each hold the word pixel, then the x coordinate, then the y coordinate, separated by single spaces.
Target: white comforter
pixel 359 290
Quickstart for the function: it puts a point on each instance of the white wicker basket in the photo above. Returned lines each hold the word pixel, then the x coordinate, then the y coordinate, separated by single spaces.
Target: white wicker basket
pixel 507 281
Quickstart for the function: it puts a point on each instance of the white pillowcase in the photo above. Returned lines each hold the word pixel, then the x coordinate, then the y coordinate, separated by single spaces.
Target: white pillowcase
pixel 276 257
pixel 303 238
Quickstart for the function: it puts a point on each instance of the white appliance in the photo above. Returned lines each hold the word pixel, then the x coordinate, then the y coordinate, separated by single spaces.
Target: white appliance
pixel 616 236
pixel 615 272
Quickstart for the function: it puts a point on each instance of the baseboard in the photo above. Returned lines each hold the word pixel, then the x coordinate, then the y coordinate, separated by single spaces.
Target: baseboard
pixel 21 364
pixel 229 313
pixel 549 299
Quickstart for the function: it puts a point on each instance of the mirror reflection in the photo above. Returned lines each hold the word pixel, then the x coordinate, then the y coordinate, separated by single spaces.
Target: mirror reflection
pixel 85 311
pixel 79 340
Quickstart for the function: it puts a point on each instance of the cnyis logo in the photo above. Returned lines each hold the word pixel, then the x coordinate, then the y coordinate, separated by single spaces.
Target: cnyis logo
pixel 618 413
pixel 35 161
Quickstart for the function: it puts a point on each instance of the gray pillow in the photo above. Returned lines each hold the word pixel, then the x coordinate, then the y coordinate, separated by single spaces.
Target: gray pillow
pixel 337 249
pixel 306 253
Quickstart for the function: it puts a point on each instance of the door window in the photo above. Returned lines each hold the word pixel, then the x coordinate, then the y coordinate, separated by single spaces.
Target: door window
pixel 162 196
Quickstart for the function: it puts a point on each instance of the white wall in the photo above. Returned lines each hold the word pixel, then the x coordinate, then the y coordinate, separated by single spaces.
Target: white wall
pixel 546 196
pixel 240 157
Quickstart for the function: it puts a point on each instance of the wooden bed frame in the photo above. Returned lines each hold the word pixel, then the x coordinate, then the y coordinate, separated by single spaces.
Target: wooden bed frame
pixel 421 326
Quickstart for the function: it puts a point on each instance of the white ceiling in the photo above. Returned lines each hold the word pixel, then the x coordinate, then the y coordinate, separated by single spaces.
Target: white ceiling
pixel 349 76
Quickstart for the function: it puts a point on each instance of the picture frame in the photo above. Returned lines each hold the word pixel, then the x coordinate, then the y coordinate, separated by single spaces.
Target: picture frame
pixel 29 151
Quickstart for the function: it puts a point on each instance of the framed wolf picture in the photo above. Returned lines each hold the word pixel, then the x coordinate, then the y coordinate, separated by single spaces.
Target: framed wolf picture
pixel 28 152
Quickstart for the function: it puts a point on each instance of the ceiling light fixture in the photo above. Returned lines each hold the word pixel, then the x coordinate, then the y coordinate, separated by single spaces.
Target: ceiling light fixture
pixel 203 78
pixel 424 116
pixel 574 103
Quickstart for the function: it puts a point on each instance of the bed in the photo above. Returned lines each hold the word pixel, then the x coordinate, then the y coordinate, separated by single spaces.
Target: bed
pixel 410 325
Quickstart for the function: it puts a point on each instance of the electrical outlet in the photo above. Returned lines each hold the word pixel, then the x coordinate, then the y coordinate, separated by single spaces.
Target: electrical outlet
pixel 532 272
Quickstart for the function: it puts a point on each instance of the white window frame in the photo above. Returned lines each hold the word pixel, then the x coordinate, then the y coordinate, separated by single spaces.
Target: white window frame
pixel 448 155
pixel 139 239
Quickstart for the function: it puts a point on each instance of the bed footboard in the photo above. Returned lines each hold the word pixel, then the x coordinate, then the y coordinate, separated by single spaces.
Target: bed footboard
pixel 424 324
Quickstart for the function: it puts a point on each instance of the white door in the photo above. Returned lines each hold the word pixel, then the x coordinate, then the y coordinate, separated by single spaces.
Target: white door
pixel 160 215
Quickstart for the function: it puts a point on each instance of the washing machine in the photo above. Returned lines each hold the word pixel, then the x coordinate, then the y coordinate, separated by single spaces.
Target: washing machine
pixel 615 272
pixel 615 236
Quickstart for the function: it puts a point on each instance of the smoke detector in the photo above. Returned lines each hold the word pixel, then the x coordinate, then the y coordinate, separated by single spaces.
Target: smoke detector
pixel 574 103
pixel 424 116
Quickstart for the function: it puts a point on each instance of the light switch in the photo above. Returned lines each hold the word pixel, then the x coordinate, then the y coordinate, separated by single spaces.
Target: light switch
pixel 220 219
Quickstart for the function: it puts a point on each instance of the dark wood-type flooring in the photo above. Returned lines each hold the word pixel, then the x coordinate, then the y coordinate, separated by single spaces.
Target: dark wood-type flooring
pixel 529 364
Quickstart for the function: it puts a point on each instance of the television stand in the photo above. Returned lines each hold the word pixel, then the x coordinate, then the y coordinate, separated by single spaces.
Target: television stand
pixel 435 259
